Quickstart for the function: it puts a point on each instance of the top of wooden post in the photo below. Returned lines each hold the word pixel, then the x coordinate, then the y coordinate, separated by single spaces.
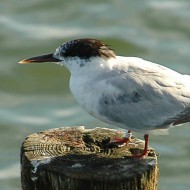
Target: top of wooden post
pixel 72 153
pixel 78 140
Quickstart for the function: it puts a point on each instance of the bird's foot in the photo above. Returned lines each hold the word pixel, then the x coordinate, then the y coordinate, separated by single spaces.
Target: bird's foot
pixel 145 151
pixel 120 142
pixel 123 141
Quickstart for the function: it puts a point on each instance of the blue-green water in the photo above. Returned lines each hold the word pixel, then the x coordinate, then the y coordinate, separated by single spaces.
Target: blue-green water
pixel 36 97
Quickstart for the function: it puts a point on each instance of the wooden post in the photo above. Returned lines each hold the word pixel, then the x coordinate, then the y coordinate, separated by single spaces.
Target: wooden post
pixel 75 158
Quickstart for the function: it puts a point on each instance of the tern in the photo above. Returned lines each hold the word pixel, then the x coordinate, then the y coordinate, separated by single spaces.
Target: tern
pixel 127 92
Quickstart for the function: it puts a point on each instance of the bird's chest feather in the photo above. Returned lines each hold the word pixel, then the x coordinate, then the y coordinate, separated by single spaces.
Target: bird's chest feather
pixel 90 91
pixel 86 92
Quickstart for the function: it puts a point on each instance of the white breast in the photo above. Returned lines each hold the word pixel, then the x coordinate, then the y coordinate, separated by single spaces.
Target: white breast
pixel 88 84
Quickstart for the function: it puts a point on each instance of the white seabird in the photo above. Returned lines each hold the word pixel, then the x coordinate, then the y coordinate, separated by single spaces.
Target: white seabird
pixel 127 92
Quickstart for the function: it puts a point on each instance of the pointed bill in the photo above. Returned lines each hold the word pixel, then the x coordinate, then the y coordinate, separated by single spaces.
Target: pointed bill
pixel 40 59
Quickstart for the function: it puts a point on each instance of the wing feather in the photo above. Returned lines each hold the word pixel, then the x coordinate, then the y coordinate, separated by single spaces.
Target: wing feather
pixel 146 96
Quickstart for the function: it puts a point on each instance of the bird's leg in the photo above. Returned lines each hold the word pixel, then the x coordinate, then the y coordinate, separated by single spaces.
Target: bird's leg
pixel 119 142
pixel 145 151
pixel 146 136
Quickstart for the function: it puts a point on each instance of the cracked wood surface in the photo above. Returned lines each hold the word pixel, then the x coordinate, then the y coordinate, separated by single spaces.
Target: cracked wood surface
pixel 74 158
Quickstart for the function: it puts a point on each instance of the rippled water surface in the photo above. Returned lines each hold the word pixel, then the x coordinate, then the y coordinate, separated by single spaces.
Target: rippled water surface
pixel 36 97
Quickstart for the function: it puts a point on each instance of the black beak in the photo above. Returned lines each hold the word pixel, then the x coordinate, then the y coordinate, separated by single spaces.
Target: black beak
pixel 40 59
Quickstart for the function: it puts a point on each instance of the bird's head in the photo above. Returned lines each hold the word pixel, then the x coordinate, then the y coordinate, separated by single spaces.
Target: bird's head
pixel 75 53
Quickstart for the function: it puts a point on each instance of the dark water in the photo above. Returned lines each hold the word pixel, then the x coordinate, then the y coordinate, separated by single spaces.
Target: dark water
pixel 36 97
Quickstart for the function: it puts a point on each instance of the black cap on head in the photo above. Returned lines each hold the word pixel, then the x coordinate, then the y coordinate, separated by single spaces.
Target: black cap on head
pixel 86 48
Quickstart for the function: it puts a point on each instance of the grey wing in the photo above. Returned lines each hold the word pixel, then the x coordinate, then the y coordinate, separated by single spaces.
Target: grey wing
pixel 145 100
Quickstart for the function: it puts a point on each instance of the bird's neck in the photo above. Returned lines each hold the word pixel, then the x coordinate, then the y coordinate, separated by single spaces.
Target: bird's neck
pixel 92 66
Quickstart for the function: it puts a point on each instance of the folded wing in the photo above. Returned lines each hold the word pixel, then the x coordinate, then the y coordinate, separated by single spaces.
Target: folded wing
pixel 146 96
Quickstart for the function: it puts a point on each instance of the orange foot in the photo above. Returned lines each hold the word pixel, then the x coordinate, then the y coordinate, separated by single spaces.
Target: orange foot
pixel 145 151
pixel 123 141
pixel 119 142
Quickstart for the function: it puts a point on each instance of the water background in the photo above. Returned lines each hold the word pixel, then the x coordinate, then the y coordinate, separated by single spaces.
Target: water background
pixel 36 97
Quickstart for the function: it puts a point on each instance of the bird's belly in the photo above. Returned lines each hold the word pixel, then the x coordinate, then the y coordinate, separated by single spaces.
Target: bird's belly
pixel 99 102
pixel 90 99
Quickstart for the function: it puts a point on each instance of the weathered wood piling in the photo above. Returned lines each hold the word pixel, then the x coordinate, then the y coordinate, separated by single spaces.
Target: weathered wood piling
pixel 75 158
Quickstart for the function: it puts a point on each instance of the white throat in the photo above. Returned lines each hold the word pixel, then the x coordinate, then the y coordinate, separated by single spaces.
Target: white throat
pixel 94 65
